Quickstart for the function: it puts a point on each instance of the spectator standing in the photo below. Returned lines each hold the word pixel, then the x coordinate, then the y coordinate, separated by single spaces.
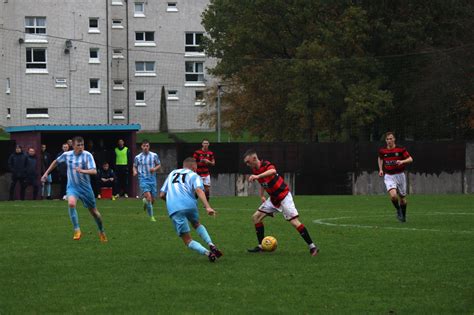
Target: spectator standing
pixel 17 165
pixel 45 162
pixel 31 178
pixel 123 160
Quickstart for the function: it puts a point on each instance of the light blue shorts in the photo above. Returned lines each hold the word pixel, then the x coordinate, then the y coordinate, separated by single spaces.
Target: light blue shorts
pixel 148 186
pixel 85 195
pixel 180 220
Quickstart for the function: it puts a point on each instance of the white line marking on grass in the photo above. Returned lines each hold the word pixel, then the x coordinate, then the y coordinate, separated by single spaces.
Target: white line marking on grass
pixel 323 222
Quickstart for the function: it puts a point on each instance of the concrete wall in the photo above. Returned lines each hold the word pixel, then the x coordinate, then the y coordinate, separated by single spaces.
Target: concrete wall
pixel 368 183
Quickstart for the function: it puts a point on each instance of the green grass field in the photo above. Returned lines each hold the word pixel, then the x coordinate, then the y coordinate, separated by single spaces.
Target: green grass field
pixel 369 263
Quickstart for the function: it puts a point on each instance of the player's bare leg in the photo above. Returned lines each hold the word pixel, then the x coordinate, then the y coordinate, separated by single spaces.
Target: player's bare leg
pixel 403 207
pixel 202 231
pixel 149 200
pixel 72 201
pixel 257 219
pixel 394 198
pixel 98 220
pixel 196 246
pixel 207 192
pixel 313 248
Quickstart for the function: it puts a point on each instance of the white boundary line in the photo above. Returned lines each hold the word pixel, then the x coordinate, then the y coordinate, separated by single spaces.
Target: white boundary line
pixel 322 222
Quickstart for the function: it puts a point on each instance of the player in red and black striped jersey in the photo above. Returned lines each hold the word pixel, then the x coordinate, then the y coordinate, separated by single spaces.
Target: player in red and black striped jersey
pixel 392 161
pixel 204 158
pixel 280 200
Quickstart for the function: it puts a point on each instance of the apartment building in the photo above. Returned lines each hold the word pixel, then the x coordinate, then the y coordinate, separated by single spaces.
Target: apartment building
pixel 102 62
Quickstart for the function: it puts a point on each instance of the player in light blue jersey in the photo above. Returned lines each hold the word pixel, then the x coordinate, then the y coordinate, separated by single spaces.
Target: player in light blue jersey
pixel 80 165
pixel 179 191
pixel 145 165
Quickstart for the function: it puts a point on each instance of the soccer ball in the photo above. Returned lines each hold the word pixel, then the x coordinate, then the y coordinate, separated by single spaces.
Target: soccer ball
pixel 269 244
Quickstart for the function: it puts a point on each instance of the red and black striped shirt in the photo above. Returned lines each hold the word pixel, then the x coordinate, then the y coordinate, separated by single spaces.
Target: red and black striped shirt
pixel 389 158
pixel 274 185
pixel 202 167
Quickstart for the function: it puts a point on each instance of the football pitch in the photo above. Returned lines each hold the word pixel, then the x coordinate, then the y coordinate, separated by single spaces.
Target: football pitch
pixel 369 262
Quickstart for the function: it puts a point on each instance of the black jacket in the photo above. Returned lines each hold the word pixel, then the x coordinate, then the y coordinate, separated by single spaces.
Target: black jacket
pixel 17 164
pixel 31 171
pixel 106 174
pixel 45 161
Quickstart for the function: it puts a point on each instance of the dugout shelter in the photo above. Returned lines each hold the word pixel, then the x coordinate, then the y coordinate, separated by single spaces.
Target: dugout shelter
pixel 103 137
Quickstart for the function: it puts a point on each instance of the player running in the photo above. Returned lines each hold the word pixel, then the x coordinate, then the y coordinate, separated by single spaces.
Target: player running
pixel 179 191
pixel 280 200
pixel 80 165
pixel 392 160
pixel 146 164
pixel 205 158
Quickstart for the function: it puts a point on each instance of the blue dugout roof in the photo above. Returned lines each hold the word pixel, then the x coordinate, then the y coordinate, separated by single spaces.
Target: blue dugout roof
pixel 131 127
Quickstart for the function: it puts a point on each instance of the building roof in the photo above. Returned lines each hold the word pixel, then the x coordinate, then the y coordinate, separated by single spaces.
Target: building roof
pixel 118 127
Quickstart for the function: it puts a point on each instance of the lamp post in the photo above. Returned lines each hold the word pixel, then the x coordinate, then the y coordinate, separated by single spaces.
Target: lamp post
pixel 219 87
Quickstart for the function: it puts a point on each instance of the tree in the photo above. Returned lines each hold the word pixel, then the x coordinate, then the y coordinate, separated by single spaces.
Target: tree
pixel 163 112
pixel 298 69
pixel 292 66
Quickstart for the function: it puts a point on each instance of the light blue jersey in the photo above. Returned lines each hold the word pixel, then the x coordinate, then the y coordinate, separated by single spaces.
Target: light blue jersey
pixel 79 184
pixel 85 161
pixel 180 187
pixel 143 162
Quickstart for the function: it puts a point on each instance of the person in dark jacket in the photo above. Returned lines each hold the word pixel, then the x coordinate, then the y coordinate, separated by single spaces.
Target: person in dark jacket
pixel 62 172
pixel 45 162
pixel 107 177
pixel 31 178
pixel 17 165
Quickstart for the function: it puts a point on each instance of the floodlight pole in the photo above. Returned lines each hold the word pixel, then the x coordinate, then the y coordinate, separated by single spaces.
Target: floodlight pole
pixel 219 112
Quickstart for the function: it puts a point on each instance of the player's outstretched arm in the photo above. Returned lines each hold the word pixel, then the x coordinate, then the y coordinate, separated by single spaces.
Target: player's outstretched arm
pixel 49 170
pixel 202 196
pixel 267 173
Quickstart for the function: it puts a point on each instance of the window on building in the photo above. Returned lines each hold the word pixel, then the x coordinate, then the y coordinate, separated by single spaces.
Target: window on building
pixel 60 82
pixel 9 113
pixel 36 58
pixel 94 86
pixel 140 98
pixel 117 2
pixel 199 98
pixel 8 86
pixel 145 68
pixel 194 71
pixel 94 55
pixel 35 25
pixel 94 25
pixel 118 85
pixel 117 23
pixel 139 9
pixel 37 113
pixel 193 42
pixel 117 53
pixel 145 39
pixel 118 114
pixel 172 7
pixel 173 95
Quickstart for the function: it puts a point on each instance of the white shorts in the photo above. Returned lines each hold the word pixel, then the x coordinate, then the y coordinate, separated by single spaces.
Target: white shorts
pixel 396 181
pixel 206 180
pixel 287 207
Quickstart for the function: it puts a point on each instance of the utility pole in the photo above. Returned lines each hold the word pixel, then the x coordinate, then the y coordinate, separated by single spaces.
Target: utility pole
pixel 219 87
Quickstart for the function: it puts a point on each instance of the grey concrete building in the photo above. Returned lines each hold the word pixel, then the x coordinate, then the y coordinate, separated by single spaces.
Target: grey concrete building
pixel 98 62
